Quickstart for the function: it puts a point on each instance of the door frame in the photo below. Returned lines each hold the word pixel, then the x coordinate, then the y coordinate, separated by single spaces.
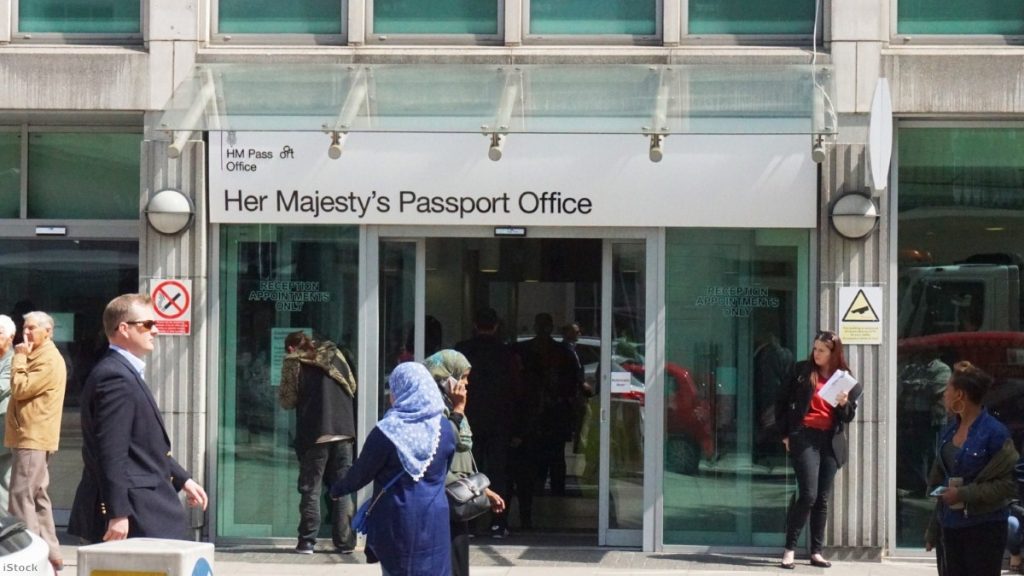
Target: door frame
pixel 653 239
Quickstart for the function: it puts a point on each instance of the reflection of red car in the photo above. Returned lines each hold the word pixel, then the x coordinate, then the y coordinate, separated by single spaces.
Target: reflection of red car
pixel 1001 354
pixel 688 415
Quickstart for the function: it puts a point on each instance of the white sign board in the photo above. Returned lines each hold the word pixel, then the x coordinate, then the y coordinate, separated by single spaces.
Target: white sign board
pixel 860 314
pixel 621 382
pixel 742 181
pixel 172 303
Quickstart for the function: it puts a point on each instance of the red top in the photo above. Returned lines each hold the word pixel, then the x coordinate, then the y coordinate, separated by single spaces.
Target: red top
pixel 819 414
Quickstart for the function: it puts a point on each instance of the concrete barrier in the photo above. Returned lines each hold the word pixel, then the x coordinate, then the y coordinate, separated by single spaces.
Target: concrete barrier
pixel 149 556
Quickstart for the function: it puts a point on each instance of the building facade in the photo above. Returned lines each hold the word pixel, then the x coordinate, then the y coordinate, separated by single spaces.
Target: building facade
pixel 664 173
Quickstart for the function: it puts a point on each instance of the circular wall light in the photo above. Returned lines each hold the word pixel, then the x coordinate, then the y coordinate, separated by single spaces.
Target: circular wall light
pixel 170 212
pixel 854 216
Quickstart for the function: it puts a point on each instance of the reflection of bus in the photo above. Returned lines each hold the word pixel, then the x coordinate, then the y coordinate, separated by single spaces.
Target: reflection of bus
pixel 982 293
pixel 969 311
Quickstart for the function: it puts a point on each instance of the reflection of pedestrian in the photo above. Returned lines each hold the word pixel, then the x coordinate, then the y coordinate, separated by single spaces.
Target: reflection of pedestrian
pixel 974 465
pixel 32 429
pixel 317 382
pixel 814 433
pixel 130 482
pixel 408 531
pixel 772 365
pixel 919 400
pixel 581 408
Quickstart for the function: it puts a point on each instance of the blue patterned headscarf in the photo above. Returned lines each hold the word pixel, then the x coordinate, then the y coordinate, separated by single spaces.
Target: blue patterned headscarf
pixel 413 423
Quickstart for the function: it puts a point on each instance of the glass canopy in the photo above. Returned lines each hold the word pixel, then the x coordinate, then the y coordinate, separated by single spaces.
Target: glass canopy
pixel 567 99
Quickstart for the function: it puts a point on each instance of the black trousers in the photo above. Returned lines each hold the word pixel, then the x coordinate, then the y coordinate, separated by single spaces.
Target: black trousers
pixel 815 466
pixel 460 548
pixel 324 464
pixel 974 550
pixel 491 452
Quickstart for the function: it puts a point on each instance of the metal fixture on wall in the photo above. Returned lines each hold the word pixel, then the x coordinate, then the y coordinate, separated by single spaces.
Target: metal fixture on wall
pixel 854 216
pixel 818 153
pixel 170 212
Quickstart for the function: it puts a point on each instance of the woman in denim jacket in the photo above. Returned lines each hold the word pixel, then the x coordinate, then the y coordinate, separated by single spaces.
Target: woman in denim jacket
pixel 974 466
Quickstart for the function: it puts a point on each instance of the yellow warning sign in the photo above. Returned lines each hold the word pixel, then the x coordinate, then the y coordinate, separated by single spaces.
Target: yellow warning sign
pixel 860 310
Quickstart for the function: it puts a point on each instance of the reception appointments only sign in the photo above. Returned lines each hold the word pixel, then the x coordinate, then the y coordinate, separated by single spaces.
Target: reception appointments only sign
pixel 542 180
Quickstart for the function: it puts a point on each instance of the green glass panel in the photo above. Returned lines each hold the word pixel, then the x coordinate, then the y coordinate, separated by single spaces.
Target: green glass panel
pixel 277 17
pixel 10 174
pixel 959 291
pixel 439 17
pixel 751 17
pixel 72 281
pixel 80 16
pixel 959 17
pixel 397 311
pixel 736 306
pixel 274 280
pixel 593 17
pixel 83 175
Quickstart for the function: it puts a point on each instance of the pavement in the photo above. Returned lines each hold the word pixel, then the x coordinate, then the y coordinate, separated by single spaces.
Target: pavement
pixel 489 559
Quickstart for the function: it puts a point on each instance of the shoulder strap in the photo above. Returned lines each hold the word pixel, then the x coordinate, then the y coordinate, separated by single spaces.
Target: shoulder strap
pixel 384 489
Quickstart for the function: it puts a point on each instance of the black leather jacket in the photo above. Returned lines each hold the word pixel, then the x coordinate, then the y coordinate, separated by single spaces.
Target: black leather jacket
pixel 795 400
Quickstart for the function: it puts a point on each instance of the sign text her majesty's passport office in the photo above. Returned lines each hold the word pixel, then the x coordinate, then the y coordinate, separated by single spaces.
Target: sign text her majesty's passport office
pixel 316 204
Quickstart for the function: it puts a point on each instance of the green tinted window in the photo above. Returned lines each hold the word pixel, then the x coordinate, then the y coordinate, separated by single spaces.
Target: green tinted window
pixel 10 174
pixel 277 17
pixel 274 280
pixel 751 17
pixel 83 175
pixel 593 17
pixel 736 317
pixel 438 17
pixel 80 16
pixel 959 17
pixel 960 291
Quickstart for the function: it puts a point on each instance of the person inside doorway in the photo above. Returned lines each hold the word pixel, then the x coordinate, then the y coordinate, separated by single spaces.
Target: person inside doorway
pixel 550 383
pixel 495 411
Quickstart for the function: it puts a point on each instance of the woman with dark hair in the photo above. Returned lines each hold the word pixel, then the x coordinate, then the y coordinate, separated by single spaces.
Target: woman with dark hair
pixel 814 434
pixel 973 471
pixel 450 370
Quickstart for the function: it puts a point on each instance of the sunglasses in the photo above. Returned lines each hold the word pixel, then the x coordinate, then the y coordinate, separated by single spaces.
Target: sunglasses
pixel 147 324
pixel 826 336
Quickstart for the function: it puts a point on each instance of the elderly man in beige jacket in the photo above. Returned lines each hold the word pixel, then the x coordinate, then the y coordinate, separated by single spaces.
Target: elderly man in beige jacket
pixel 32 431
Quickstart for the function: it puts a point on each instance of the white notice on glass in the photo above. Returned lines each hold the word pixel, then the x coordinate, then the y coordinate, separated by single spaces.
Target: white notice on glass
pixel 841 381
pixel 620 382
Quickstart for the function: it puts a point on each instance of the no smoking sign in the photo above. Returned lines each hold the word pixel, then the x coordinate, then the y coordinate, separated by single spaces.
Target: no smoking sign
pixel 172 303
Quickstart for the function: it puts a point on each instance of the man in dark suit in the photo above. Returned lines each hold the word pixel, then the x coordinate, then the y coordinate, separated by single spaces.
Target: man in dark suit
pixel 130 482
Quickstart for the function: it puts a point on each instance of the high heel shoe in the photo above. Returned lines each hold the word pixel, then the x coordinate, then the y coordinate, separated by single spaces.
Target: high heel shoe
pixel 820 563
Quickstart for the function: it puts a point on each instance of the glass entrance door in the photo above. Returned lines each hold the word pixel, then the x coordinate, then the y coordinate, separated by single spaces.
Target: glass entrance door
pixel 545 321
pixel 623 395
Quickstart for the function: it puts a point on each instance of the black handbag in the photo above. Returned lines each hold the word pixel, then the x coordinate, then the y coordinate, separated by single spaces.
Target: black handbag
pixel 467 497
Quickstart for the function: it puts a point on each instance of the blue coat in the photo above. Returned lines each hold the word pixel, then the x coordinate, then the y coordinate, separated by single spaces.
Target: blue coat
pixel 408 527
pixel 128 468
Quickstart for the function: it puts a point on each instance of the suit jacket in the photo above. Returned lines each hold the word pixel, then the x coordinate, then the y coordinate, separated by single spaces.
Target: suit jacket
pixel 129 470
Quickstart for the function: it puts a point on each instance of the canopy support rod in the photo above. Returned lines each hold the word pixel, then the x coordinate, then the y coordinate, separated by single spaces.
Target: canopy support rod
pixel 503 116
pixel 206 95
pixel 349 109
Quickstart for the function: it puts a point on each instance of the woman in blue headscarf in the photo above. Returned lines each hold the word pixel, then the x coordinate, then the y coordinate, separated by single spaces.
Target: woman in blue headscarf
pixel 408 527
